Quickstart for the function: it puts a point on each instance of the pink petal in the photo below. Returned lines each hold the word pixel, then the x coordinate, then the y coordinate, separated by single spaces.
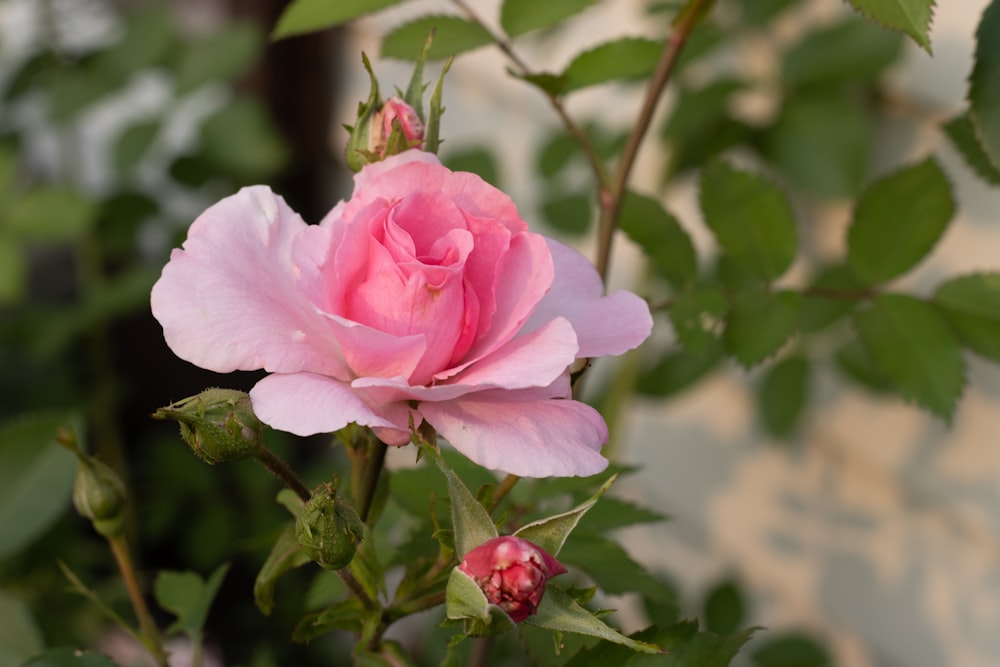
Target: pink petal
pixel 229 301
pixel 547 438
pixel 605 325
pixel 306 404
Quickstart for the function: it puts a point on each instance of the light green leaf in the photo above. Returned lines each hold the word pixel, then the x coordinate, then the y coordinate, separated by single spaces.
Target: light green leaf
pixel 984 83
pixel 51 214
pixel 661 237
pixel 285 555
pixel 911 343
pixel 132 144
pixel 558 611
pixel 911 17
pixel 629 58
pixel 472 523
pixel 188 596
pixel 520 16
pixel 221 56
pixel 898 220
pixel 310 15
pixel 963 137
pixel 20 637
pixel 551 532
pixel 851 52
pixel 697 316
pixel 36 477
pixel 759 323
pixel 751 219
pixel 971 304
pixel 452 35
pixel 783 394
pixel 69 657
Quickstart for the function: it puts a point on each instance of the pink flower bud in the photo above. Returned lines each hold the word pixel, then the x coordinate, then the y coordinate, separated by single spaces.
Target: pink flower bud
pixel 511 573
pixel 381 127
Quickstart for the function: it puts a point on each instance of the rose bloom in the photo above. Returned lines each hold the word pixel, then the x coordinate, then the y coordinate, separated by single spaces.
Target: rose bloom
pixel 422 298
pixel 511 572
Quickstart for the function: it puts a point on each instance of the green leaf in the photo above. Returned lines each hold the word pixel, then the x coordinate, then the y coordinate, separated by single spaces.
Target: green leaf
pixel 348 614
pixel 984 83
pixel 911 343
pixel 851 52
pixel 452 35
pixel 699 110
pixel 221 56
pixel 285 555
pixel 614 513
pixel 783 394
pixel 551 532
pixel 132 144
pixel 963 137
pixel 759 323
pixel 791 650
pixel 69 657
pixel 610 566
pixel 898 220
pixel 13 271
pixel 760 12
pixel 36 477
pixel 697 316
pixel 188 596
pixel 855 362
pixel 242 140
pixel 679 369
pixel 51 214
pixel 661 237
pixel 472 523
pixel 724 608
pixel 570 214
pixel 971 304
pixel 558 611
pixel 684 646
pixel 751 219
pixel 831 295
pixel 20 637
pixel 310 15
pixel 911 17
pixel 520 16
pixel 366 566
pixel 629 58
pixel 831 163
pixel 147 40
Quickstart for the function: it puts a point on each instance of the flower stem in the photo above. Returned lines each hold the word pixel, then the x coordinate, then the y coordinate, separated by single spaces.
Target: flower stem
pixel 501 491
pixel 147 626
pixel 282 471
pixel 374 462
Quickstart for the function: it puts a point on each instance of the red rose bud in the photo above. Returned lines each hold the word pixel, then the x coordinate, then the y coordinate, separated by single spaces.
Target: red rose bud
pixel 511 573
pixel 395 128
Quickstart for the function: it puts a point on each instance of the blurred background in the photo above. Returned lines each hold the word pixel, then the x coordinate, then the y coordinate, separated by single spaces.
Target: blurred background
pixel 860 531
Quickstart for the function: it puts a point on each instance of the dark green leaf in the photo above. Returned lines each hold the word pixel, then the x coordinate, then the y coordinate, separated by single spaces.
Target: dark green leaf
pixel 613 513
pixel 188 596
pixel 20 637
pixel 241 140
pixel 147 40
pixel 783 394
pixel 452 35
pixel 520 16
pixel 69 657
pixel 661 237
pixel 347 614
pixel 971 304
pixel 679 369
pixel 476 160
pixel 309 15
pixel 828 163
pixel 697 111
pixel 610 566
pixel 911 17
pixel 570 214
pixel 724 608
pixel 629 58
pixel 51 214
pixel 285 555
pixel 759 323
pixel 854 361
pixel 760 12
pixel 963 137
pixel 13 271
pixel 751 219
pixel 697 316
pixel 831 295
pixel 684 646
pixel 911 343
pixel 557 152
pixel 898 220
pixel 221 56
pixel 36 477
pixel 554 84
pixel 132 144
pixel 853 51
pixel 791 650
pixel 984 83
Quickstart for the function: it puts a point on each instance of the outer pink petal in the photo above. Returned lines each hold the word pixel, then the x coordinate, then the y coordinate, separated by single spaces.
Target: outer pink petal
pixel 306 404
pixel 548 438
pixel 229 300
pixel 605 325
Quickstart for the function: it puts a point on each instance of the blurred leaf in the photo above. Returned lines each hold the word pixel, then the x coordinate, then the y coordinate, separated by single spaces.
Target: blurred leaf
pixel 855 362
pixel 830 163
pixel 898 220
pixel 132 144
pixel 911 343
pixel 13 271
pixel 911 17
pixel 558 611
pixel 570 214
pixel 791 650
pixel 610 566
pixel 971 304
pixel 188 596
pixel 697 316
pixel 963 137
pixel 36 477
pixel 783 394
pixel 852 51
pixel 479 161
pixel 416 489
pixel 347 614
pixel 221 56
pixel 520 16
pixel 699 110
pixel 551 532
pixel 309 15
pixel 69 657
pixel 192 170
pixel 831 295
pixel 750 217
pixel 679 369
pixel 661 237
pixel 557 152
pixel 20 637
pixel 759 323
pixel 724 608
pixel 72 91
pixel 553 84
pixel 51 214
pixel 241 140
pixel 367 568
pixel 147 41
pixel 613 513
pixel 761 12
pixel 452 35
pixel 285 555
pixel 684 646
pixel 629 58
pixel 984 83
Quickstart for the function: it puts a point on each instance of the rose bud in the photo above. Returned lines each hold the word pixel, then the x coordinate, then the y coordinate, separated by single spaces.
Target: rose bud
pixel 99 495
pixel 218 424
pixel 328 529
pixel 511 573
pixel 395 128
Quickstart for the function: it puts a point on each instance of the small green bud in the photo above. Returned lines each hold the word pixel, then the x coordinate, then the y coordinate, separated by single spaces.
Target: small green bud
pixel 99 495
pixel 328 529
pixel 218 424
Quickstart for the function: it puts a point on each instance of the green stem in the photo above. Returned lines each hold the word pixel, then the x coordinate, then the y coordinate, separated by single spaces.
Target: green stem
pixel 501 491
pixel 355 587
pixel 147 626
pixel 282 471
pixel 374 462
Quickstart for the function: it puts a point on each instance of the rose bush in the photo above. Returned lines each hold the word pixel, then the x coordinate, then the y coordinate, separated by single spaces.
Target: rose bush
pixel 424 297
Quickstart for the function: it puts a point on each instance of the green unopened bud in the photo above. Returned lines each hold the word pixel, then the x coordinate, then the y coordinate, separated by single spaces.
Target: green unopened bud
pixel 218 424
pixel 99 495
pixel 328 529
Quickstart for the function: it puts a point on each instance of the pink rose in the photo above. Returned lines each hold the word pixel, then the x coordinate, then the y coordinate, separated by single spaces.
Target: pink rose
pixel 423 297
pixel 381 125
pixel 512 573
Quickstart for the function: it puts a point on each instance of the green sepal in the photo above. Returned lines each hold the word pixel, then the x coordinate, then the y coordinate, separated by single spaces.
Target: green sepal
pixel 432 129
pixel 464 601
pixel 472 523
pixel 550 533
pixel 415 90
pixel 357 144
